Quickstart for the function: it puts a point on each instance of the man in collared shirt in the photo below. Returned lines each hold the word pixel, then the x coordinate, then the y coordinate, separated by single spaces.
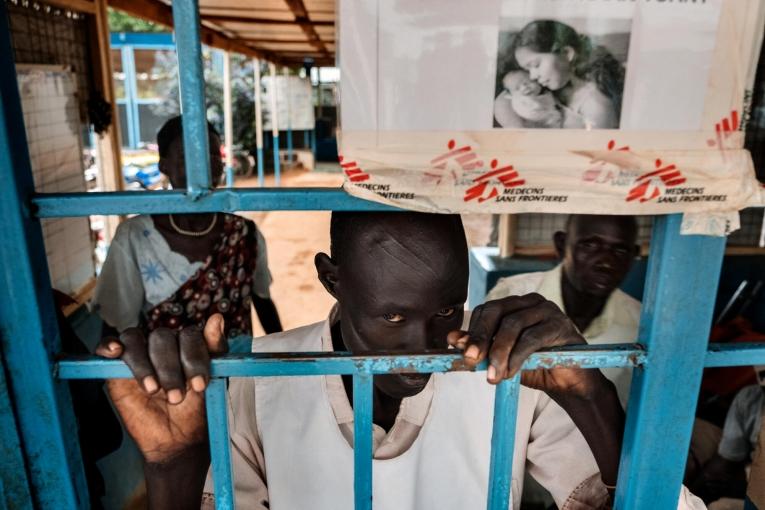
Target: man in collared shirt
pixel 596 254
pixel 724 475
pixel 400 280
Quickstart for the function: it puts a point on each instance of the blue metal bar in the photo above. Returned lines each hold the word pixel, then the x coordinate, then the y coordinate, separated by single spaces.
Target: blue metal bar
pixel 277 163
pixel 503 443
pixel 193 106
pixel 321 363
pixel 289 144
pixel 229 177
pixel 131 108
pixel 43 407
pixel 735 355
pixel 313 143
pixel 306 139
pixel 362 441
pixel 681 284
pixel 13 476
pixel 261 170
pixel 220 452
pixel 61 205
pixel 3 499
pixel 147 40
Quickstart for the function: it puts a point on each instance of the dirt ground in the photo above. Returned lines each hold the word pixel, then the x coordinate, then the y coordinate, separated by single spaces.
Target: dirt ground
pixel 294 237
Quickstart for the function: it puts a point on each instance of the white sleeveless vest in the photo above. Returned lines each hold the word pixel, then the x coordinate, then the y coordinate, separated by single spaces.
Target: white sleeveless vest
pixel 309 464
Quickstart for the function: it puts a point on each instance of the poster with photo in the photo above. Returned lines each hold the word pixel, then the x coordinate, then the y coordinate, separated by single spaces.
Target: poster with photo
pixel 511 106
pixel 560 73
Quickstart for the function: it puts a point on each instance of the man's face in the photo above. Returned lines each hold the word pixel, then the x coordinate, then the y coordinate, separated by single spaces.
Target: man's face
pixel 402 291
pixel 174 166
pixel 599 251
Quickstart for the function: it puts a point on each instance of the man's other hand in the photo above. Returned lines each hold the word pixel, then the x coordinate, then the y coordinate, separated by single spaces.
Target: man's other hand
pixel 507 331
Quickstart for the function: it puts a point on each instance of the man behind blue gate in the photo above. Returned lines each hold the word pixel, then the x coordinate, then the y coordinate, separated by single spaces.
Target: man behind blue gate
pixel 400 280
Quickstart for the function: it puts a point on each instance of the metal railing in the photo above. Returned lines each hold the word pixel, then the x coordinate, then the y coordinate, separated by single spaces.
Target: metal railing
pixel 681 284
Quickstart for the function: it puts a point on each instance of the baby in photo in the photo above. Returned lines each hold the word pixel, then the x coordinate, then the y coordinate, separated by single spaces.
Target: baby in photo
pixel 531 101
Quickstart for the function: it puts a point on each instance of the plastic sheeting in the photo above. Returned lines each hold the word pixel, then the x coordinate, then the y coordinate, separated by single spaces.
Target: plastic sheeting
pixel 565 106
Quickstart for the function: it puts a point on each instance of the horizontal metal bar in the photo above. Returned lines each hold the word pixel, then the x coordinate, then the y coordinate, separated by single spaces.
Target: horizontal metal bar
pixel 61 205
pixel 320 363
pixel 735 355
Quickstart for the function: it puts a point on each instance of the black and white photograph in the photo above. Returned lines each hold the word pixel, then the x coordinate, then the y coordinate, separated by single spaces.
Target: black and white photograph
pixel 560 73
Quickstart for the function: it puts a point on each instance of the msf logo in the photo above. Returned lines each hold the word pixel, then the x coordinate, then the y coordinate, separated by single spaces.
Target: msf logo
pixel 450 166
pixel 652 184
pixel 352 171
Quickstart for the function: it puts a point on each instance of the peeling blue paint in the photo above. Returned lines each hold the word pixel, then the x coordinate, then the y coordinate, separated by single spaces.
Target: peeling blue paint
pixel 62 205
pixel 217 427
pixel 323 363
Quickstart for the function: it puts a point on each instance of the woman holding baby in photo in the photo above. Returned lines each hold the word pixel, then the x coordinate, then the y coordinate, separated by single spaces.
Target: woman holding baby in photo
pixel 559 81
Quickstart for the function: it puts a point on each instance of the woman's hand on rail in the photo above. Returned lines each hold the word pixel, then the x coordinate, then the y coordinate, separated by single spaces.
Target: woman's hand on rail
pixel 507 331
pixel 163 406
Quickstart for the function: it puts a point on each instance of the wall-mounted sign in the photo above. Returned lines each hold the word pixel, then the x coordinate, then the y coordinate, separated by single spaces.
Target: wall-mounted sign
pixel 294 103
pixel 600 106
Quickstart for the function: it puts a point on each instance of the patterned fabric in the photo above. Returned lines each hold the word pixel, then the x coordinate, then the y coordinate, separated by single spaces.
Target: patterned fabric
pixel 222 285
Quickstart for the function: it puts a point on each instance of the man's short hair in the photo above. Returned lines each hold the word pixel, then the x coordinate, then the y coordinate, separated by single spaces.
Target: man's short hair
pixel 345 226
pixel 173 129
pixel 628 221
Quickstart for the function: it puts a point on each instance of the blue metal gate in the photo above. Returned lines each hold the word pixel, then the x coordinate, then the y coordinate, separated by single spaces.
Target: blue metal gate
pixel 41 464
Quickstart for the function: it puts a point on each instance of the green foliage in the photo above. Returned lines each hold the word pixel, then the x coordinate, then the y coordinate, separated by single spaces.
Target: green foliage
pixel 123 22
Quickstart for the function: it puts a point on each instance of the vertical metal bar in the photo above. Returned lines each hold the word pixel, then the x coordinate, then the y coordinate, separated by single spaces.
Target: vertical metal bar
pixel 229 177
pixel 28 330
pixel 3 498
pixel 13 476
pixel 320 96
pixel 228 121
pixel 503 444
pixel 220 453
pixel 289 145
pixel 313 142
pixel 362 441
pixel 306 139
pixel 108 153
pixel 258 122
pixel 508 226
pixel 131 107
pixel 192 84
pixel 288 89
pixel 681 285
pixel 275 125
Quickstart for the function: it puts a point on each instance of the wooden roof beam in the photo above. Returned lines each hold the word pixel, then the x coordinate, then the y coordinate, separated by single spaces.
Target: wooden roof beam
pixel 301 15
pixel 210 9
pixel 274 40
pixel 225 18
pixel 161 13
